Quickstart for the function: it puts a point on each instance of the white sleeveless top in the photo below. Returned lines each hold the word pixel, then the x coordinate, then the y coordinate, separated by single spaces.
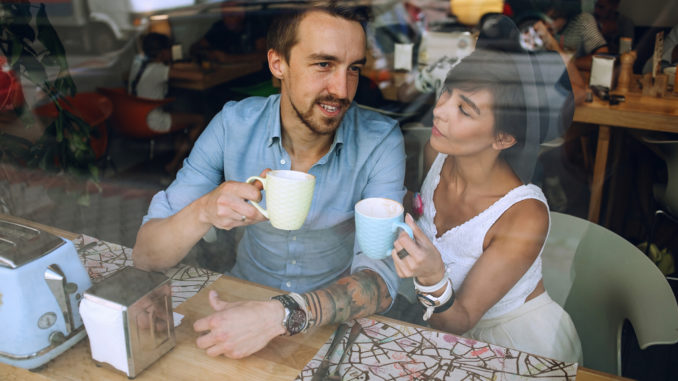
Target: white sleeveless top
pixel 461 246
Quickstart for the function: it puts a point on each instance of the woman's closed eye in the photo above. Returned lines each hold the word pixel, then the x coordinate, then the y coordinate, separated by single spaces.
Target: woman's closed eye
pixel 461 108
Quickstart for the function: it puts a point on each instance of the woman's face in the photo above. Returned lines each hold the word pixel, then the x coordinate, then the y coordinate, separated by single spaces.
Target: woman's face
pixel 463 122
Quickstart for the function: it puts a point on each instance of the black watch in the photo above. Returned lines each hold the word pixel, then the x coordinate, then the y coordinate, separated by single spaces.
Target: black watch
pixel 295 318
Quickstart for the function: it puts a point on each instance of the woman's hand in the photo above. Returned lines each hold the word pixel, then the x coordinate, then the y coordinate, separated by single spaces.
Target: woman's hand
pixel 423 260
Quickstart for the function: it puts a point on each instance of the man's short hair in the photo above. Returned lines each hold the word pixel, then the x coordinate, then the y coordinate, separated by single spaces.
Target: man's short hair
pixel 154 43
pixel 282 35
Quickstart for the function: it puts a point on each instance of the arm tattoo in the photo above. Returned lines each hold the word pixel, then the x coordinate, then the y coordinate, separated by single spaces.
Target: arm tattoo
pixel 361 294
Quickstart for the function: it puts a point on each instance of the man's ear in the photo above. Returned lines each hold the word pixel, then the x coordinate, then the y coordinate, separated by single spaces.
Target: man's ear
pixel 504 141
pixel 276 63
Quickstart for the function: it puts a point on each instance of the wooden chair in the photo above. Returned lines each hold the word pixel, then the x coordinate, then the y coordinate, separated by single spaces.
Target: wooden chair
pixel 93 108
pixel 601 280
pixel 130 114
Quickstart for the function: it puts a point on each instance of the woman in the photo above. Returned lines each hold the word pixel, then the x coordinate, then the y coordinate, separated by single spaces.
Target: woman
pixel 482 230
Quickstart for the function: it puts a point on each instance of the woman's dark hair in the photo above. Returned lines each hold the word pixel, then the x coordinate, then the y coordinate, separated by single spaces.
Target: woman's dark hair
pixel 282 34
pixel 154 43
pixel 496 72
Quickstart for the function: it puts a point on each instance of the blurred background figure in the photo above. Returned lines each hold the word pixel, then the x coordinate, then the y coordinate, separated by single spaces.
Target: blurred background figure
pixel 149 77
pixel 612 24
pixel 575 32
pixel 237 36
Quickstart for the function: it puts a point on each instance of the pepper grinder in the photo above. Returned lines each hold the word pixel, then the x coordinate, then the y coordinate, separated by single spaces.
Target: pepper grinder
pixel 626 71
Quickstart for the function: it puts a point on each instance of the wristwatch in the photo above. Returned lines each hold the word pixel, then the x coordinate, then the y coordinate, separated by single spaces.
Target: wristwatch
pixel 295 317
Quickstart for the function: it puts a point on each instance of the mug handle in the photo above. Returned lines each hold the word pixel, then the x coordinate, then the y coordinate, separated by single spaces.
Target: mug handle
pixel 403 226
pixel 256 204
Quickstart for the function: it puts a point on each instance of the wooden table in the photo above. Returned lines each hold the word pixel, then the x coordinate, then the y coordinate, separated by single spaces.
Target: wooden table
pixel 637 112
pixel 192 76
pixel 282 359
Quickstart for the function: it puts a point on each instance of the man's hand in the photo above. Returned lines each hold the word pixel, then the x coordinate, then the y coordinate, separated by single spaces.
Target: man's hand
pixel 227 206
pixel 238 329
pixel 545 33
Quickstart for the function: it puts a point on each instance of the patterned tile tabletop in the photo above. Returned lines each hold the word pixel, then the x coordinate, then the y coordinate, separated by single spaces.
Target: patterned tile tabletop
pixel 102 258
pixel 389 351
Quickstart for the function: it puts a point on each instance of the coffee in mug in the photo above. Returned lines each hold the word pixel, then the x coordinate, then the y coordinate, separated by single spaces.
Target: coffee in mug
pixel 377 221
pixel 288 197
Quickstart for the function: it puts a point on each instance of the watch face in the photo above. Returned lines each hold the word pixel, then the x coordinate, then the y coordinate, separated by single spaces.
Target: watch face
pixel 296 321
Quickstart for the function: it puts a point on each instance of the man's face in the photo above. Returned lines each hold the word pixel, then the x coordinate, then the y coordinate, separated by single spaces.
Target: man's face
pixel 321 77
pixel 604 9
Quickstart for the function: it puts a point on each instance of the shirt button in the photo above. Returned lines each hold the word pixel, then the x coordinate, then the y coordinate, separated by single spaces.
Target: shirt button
pixel 294 238
pixel 288 284
pixel 294 262
pixel 282 161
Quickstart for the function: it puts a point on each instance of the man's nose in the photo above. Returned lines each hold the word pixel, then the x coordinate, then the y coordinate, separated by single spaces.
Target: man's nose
pixel 338 84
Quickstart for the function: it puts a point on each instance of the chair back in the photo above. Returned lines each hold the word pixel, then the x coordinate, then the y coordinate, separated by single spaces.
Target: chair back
pixel 416 135
pixel 601 280
pixel 130 113
pixel 667 195
pixel 93 108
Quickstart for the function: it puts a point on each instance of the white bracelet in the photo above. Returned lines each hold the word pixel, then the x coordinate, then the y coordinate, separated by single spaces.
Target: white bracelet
pixel 431 302
pixel 430 289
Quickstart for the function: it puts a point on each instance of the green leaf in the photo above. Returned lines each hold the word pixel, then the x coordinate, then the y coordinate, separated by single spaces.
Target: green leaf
pixel 33 69
pixel 65 84
pixel 50 38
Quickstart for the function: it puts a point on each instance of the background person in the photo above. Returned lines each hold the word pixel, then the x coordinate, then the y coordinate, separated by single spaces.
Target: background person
pixel 482 231
pixel 612 24
pixel 575 32
pixel 149 78
pixel 311 126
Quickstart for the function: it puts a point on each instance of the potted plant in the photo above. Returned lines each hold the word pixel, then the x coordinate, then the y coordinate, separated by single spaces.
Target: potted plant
pixel 33 52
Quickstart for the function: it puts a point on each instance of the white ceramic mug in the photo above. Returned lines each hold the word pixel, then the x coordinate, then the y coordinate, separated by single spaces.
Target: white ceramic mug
pixel 377 221
pixel 288 197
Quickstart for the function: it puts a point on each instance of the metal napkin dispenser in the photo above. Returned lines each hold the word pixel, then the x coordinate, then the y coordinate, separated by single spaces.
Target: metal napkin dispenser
pixel 129 320
pixel 41 284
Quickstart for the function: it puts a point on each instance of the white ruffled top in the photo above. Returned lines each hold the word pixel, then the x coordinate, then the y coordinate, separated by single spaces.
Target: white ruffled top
pixel 461 246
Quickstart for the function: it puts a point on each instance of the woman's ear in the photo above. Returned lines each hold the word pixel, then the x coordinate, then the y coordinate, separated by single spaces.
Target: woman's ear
pixel 276 64
pixel 504 141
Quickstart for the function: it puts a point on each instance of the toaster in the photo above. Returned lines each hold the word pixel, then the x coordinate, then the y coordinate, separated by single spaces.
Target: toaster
pixel 41 283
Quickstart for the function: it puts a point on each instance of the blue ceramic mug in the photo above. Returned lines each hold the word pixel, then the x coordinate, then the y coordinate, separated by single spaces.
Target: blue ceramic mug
pixel 377 221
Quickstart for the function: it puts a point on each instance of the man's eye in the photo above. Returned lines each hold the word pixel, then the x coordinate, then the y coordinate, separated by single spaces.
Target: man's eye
pixel 323 64
pixel 355 69
pixel 461 108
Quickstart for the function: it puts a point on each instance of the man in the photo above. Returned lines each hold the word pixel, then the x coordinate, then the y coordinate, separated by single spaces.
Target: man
pixel 236 36
pixel 612 24
pixel 575 32
pixel 312 126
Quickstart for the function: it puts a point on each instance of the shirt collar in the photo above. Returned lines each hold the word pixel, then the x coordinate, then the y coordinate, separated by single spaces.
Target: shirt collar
pixel 275 130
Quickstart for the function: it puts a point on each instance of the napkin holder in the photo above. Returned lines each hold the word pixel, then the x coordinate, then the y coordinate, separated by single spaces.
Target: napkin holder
pixel 602 71
pixel 129 321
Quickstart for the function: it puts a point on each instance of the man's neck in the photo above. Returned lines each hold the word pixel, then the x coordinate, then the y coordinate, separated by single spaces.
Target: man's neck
pixel 304 146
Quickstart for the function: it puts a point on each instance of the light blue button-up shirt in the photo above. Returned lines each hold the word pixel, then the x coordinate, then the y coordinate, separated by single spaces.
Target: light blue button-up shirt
pixel 366 159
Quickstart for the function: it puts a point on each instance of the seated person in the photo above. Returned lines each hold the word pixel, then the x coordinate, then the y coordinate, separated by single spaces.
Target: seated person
pixel 237 36
pixel 312 126
pixel 612 24
pixel 477 247
pixel 576 33
pixel 149 78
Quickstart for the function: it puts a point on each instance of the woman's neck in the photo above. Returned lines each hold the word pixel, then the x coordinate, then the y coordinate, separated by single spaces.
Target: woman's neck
pixel 479 173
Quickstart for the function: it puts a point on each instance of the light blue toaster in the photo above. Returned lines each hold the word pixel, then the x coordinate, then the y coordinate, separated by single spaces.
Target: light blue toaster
pixel 41 283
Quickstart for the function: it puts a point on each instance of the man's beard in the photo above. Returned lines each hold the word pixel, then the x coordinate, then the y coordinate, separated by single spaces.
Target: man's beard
pixel 326 126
